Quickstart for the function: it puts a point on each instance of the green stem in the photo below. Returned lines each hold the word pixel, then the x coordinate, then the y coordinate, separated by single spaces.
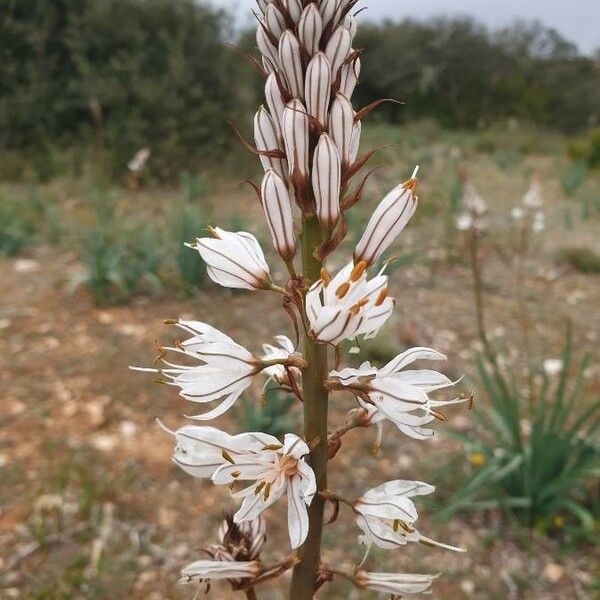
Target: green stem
pixel 315 428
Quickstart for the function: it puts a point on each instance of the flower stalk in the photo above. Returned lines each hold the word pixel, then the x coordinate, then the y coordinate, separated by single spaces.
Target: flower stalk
pixel 316 400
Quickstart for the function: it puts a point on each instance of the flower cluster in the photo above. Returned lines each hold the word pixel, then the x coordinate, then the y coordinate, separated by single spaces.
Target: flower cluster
pixel 529 214
pixel 307 136
pixel 472 218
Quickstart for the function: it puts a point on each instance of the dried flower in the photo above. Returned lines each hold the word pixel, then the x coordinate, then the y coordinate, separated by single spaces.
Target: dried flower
pixel 348 305
pixel 234 260
pixel 389 219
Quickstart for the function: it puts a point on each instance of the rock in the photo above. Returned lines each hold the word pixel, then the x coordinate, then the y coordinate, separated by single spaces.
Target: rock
pixel 553 572
pixel 26 265
pixel 467 586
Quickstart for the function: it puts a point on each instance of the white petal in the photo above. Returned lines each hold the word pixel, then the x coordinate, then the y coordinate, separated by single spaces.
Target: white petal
pixel 291 64
pixel 297 513
pixel 310 28
pixel 410 356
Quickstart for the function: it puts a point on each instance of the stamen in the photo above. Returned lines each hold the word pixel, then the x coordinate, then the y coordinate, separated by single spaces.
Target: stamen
pixel 227 457
pixel 358 271
pixel 259 487
pixel 342 290
pixel 171 321
pixel 325 277
pixel 273 447
pixel 267 492
pixel 356 308
pixel 411 184
pixel 396 525
pixel 382 296
pixel 236 474
pixel 438 414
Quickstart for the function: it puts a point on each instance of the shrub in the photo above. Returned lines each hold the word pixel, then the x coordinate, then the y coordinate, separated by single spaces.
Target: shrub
pixel 535 462
pixel 582 259
pixel 119 258
pixel 573 178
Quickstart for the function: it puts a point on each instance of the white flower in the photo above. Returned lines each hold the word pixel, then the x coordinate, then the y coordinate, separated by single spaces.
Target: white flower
pixel 389 219
pixel 227 368
pixel 553 366
pixel 539 222
pixel 398 395
pixel 464 221
pixel 400 584
pixel 517 213
pixel 347 305
pixel 533 197
pixel 472 201
pixel 386 515
pixel 275 470
pixel 234 260
pixel 203 570
pixel 278 372
pixel 138 162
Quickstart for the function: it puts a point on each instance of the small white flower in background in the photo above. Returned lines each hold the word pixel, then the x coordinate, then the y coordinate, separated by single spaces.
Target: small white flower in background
pixel 472 201
pixel 386 514
pixel 348 305
pixel 517 213
pixel 138 162
pixel 394 394
pixel 205 570
pixel 387 222
pixel 533 198
pixel 397 584
pixel 234 260
pixel 553 366
pixel 539 222
pixel 464 221
pixel 279 373
pixel 227 368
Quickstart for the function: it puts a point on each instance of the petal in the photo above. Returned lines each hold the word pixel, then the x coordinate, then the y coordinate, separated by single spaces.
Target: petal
pixel 295 446
pixel 410 356
pixel 297 513
pixel 254 504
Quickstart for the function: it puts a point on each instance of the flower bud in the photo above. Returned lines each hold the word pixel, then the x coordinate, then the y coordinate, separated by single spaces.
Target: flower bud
pixel 268 51
pixel 310 28
pixel 265 136
pixel 338 48
pixel 328 9
pixel 341 126
pixel 351 24
pixel 295 137
pixel 274 102
pixel 294 8
pixel 291 64
pixel 278 211
pixel 263 4
pixel 275 21
pixel 326 176
pixel 389 219
pixel 318 88
pixel 349 77
pixel 355 143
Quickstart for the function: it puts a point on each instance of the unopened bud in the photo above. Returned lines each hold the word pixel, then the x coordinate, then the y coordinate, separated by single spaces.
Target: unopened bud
pixel 351 24
pixel 294 8
pixel 265 136
pixel 341 126
pixel 266 48
pixel 274 102
pixel 295 137
pixel 310 28
pixel 291 64
pixel 278 211
pixel 326 178
pixel 354 143
pixel 338 49
pixel 318 88
pixel 328 9
pixel 389 219
pixel 350 74
pixel 275 21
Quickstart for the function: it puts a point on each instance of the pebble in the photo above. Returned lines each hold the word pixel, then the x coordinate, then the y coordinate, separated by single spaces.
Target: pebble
pixel 26 265
pixel 553 572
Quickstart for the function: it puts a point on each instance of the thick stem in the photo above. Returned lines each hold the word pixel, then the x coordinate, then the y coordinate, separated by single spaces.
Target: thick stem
pixel 251 594
pixel 315 428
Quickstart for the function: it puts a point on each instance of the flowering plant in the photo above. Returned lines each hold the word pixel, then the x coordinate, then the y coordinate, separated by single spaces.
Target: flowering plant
pixel 307 138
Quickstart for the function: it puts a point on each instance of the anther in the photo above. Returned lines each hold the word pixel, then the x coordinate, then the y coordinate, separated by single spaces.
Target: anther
pixel 358 271
pixel 227 457
pixel 325 277
pixel 382 296
pixel 259 487
pixel 342 290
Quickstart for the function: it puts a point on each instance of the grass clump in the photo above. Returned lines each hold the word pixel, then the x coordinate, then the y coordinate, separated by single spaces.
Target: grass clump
pixel 582 259
pixel 539 456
